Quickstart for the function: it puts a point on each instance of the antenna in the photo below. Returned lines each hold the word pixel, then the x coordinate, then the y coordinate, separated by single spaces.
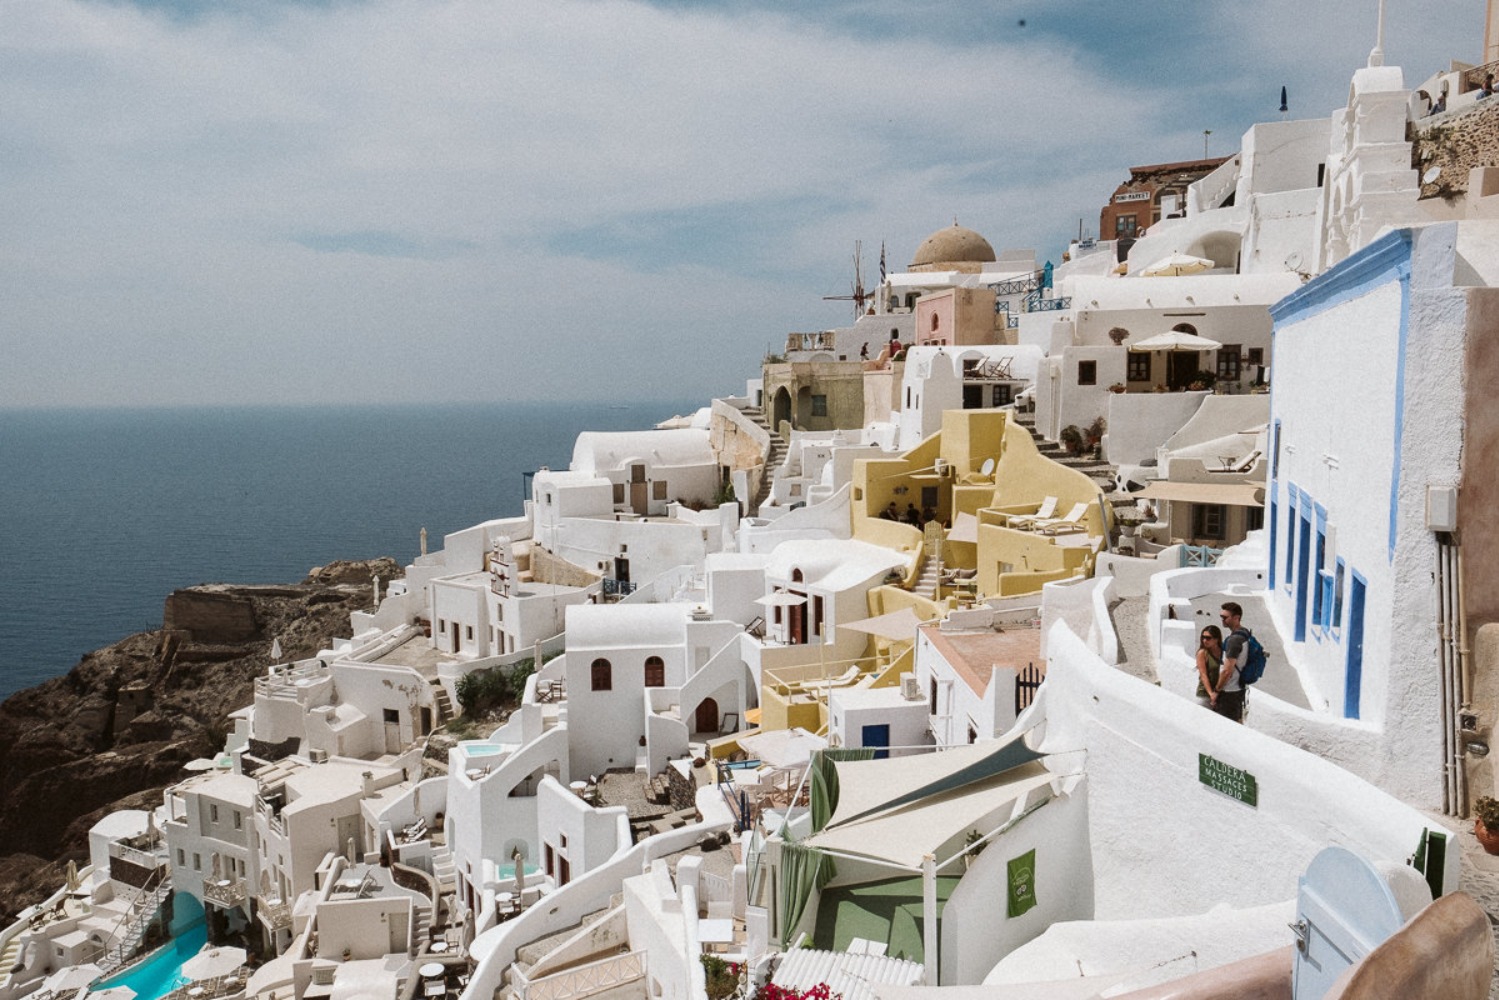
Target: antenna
pixel 859 296
pixel 1284 107
pixel 1205 133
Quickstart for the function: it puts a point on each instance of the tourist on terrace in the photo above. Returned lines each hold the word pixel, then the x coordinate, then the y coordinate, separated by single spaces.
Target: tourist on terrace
pixel 1228 694
pixel 1209 660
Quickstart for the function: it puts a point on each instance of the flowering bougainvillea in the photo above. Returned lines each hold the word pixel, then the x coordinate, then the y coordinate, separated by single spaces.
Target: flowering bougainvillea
pixel 770 991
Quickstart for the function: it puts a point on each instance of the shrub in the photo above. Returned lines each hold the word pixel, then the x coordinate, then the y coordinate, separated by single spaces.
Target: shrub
pixel 723 978
pixel 1487 810
pixel 1071 439
pixel 484 690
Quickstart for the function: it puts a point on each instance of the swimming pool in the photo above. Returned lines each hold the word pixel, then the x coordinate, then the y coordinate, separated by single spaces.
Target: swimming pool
pixel 161 973
pixel 483 749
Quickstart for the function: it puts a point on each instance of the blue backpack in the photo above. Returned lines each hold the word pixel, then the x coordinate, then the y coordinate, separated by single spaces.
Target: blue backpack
pixel 1253 667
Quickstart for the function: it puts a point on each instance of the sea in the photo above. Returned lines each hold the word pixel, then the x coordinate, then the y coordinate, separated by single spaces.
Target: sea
pixel 104 512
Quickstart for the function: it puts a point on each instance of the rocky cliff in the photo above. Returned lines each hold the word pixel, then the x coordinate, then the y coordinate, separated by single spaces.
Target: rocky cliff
pixel 117 728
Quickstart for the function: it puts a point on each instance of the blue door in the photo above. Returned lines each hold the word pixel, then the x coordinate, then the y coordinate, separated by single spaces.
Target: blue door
pixel 1303 570
pixel 1353 677
pixel 876 736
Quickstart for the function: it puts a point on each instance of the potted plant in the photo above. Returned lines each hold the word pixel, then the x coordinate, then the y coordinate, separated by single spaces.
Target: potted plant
pixel 1117 387
pixel 1071 439
pixel 1486 823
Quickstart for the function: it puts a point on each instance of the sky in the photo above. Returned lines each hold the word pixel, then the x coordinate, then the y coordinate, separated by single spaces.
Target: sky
pixel 339 201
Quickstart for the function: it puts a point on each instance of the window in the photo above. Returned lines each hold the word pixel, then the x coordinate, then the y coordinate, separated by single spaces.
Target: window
pixel 1228 362
pixel 934 322
pixel 1137 366
pixel 933 695
pixel 1337 596
pixel 181 858
pixel 1003 394
pixel 1087 373
pixel 619 492
pixel 603 675
pixel 1256 356
pixel 213 812
pixel 1208 520
pixel 1185 328
pixel 819 405
pixel 239 820
pixel 197 862
pixel 1125 226
pixel 468 632
pixel 658 490
pixel 655 672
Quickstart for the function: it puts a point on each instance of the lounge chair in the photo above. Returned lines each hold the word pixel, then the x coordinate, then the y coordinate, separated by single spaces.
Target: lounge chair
pixel 1065 525
pixel 1026 522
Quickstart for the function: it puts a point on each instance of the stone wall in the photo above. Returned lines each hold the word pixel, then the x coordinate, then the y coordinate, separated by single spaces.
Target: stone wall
pixel 548 567
pixel 1456 143
pixel 210 616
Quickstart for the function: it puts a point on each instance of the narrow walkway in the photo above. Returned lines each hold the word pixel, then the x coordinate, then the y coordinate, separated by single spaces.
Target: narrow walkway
pixel 1128 615
pixel 1479 878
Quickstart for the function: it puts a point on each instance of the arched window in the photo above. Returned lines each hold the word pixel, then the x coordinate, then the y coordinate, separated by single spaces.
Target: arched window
pixel 934 322
pixel 1185 328
pixel 655 672
pixel 603 675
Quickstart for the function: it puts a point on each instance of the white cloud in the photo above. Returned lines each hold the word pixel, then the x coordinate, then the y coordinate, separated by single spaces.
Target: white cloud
pixel 561 198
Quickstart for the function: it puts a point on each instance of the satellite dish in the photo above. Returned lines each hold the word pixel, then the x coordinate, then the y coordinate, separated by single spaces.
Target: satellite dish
pixel 1431 175
pixel 1293 260
pixel 988 467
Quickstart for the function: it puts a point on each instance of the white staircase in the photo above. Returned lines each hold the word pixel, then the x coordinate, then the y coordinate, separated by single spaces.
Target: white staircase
pixel 444 870
pixel 133 924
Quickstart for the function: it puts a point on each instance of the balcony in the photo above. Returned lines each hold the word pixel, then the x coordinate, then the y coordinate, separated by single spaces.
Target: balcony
pixel 615 589
pixel 274 912
pixel 224 893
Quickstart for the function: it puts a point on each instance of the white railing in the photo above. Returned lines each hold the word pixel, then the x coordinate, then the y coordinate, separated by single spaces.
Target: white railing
pixel 714 888
pixel 586 980
pixel 136 856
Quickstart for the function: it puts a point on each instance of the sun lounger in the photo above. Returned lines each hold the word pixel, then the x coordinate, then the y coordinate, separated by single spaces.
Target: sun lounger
pixel 1028 521
pixel 1065 525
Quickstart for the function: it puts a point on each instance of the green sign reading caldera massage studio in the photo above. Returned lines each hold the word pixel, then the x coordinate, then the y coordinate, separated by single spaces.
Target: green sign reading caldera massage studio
pixel 1231 781
pixel 1022 883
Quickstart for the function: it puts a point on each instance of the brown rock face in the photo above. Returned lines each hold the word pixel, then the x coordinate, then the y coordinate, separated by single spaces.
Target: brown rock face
pixel 116 729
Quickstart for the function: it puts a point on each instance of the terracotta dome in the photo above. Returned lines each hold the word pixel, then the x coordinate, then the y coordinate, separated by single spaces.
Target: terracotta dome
pixel 953 245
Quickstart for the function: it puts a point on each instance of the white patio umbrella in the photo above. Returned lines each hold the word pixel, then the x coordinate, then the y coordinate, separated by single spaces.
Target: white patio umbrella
pixel 1176 264
pixel 210 963
pixel 781 599
pixel 1175 340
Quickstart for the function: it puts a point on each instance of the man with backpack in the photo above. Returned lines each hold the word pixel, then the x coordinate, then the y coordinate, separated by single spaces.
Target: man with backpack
pixel 1228 697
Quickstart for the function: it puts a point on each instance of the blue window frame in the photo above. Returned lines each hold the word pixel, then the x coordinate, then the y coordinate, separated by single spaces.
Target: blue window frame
pixel 1354 674
pixel 1337 595
pixel 1303 572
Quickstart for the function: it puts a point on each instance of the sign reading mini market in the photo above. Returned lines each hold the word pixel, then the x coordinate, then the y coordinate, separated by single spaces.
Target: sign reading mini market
pixel 1231 781
pixel 1022 883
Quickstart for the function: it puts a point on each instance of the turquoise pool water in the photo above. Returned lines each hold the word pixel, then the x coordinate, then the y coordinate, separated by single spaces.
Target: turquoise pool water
pixel 482 750
pixel 507 870
pixel 160 974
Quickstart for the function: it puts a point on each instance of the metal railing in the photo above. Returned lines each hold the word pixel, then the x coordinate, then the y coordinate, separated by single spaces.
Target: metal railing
pixel 130 930
pixel 1038 304
pixel 618 588
pixel 1015 286
pixel 586 980
pixel 1199 556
